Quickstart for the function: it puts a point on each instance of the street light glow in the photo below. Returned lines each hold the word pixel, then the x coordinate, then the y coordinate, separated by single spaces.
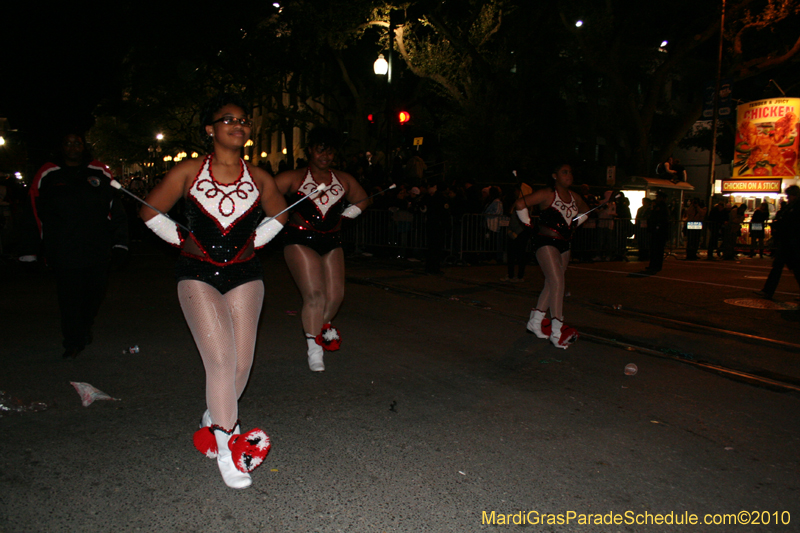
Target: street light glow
pixel 2 141
pixel 664 43
pixel 381 66
pixel 578 24
pixel 160 136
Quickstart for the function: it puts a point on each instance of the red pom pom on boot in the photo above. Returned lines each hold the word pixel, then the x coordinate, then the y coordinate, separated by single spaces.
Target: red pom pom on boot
pixel 249 450
pixel 329 338
pixel 562 335
pixel 205 442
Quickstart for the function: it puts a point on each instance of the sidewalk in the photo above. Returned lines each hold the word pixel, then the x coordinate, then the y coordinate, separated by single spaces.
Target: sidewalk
pixel 695 311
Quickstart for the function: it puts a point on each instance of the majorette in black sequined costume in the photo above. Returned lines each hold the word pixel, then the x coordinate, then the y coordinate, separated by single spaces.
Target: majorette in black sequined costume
pixel 316 223
pixel 558 219
pixel 223 219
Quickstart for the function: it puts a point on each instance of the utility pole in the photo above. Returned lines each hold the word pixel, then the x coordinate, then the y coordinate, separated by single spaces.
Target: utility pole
pixel 713 155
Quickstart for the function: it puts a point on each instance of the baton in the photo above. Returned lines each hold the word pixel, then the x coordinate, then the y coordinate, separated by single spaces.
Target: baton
pixel 117 185
pixel 598 207
pixel 319 188
pixel 392 186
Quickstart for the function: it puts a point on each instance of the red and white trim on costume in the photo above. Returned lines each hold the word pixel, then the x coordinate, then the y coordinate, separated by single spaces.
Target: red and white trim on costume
pixel 207 258
pixel 567 210
pixel 224 203
pixel 332 195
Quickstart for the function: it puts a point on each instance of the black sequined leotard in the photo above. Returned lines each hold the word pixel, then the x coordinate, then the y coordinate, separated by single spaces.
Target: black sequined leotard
pixel 315 223
pixel 223 219
pixel 558 220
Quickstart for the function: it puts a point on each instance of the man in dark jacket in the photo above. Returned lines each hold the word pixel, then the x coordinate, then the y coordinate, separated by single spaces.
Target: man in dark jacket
pixel 437 215
pixel 81 224
pixel 716 218
pixel 658 227
pixel 786 230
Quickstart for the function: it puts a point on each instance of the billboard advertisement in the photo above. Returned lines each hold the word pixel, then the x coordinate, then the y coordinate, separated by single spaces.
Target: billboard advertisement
pixel 767 139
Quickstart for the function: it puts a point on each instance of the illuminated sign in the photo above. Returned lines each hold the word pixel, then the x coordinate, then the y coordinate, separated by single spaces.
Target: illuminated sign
pixel 751 186
pixel 767 139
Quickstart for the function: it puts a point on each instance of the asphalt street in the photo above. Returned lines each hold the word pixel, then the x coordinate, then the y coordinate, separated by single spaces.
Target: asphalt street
pixel 438 411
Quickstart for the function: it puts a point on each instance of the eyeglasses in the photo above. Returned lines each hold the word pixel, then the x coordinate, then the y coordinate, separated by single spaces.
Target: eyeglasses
pixel 323 149
pixel 228 120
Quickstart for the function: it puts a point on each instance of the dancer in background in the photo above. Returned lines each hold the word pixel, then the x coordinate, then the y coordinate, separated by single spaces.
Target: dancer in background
pixel 220 279
pixel 313 244
pixel 560 214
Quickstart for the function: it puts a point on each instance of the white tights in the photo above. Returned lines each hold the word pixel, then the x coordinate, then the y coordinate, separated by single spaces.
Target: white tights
pixel 554 266
pixel 224 328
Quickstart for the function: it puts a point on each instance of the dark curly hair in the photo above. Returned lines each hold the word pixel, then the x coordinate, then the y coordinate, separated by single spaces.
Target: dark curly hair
pixel 324 136
pixel 215 104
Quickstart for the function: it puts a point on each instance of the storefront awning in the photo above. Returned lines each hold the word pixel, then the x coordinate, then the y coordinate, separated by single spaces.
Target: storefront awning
pixel 640 182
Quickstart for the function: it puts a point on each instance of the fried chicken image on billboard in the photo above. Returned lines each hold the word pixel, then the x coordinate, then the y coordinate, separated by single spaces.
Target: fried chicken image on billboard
pixel 767 148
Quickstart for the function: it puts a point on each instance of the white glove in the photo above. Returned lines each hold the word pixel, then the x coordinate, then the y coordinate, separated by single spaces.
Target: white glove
pixel 266 232
pixel 580 219
pixel 524 216
pixel 166 228
pixel 351 212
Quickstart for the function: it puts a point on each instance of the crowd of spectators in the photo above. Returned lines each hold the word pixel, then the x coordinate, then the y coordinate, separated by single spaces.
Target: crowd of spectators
pixel 612 227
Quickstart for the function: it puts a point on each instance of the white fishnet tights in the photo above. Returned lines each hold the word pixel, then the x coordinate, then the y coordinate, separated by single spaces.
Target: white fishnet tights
pixel 554 266
pixel 224 327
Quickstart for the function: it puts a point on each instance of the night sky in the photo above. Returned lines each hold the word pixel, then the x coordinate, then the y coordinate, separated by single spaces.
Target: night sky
pixel 59 62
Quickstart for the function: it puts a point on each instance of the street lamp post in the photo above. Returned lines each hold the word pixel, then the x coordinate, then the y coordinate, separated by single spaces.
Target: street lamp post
pixel 384 67
pixel 713 156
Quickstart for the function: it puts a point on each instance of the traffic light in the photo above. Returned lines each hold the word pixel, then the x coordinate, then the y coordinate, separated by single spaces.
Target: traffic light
pixel 404 116
pixel 371 118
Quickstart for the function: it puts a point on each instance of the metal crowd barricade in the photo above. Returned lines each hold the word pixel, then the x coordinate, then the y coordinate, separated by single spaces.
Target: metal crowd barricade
pixel 483 236
pixel 476 237
pixel 384 229
pixel 607 239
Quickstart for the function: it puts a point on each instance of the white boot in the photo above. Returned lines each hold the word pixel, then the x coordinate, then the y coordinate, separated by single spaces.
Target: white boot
pixel 538 324
pixel 232 476
pixel 562 335
pixel 315 353
pixel 206 420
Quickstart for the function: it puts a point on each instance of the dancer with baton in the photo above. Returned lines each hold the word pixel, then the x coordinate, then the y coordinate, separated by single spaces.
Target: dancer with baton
pixel 220 279
pixel 560 216
pixel 313 243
